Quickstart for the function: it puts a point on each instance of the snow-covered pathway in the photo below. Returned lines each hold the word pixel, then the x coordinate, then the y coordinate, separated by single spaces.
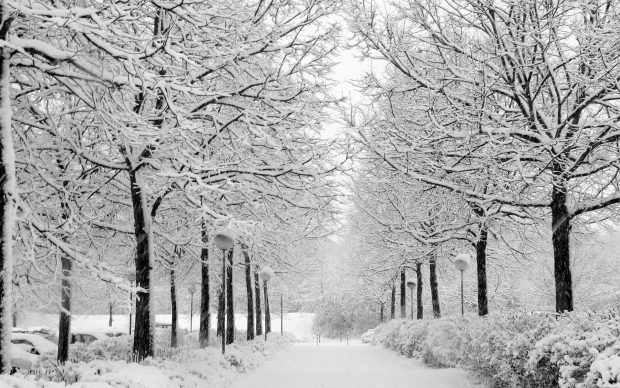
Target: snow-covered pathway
pixel 335 365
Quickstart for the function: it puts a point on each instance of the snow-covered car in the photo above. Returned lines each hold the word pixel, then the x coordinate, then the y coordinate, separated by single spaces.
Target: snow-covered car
pixel 113 332
pixel 544 313
pixel 47 333
pixel 368 336
pixel 23 361
pixel 32 343
pixel 87 337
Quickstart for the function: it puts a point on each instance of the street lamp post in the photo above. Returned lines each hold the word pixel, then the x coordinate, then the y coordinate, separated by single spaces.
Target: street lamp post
pixel 266 274
pixel 411 285
pixel 192 290
pixel 131 276
pixel 461 262
pixel 224 240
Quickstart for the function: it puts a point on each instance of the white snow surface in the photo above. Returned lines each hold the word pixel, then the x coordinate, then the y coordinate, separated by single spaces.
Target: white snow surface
pixel 336 365
pixel 297 324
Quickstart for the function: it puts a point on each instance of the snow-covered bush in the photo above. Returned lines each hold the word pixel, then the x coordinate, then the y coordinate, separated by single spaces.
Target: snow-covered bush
pixel 605 370
pixel 108 363
pixel 114 348
pixel 517 350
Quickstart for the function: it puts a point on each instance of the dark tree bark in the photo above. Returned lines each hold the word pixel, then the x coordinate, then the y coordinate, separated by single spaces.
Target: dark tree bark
pixel 403 294
pixel 143 331
pixel 434 289
pixel 205 302
pixel 481 269
pixel 259 318
pixel 418 268
pixel 248 286
pixel 173 304
pixel 14 317
pixel 382 314
pixel 8 188
pixel 267 311
pixel 220 313
pixel 393 303
pixel 111 312
pixel 561 250
pixel 64 323
pixel 230 312
pixel 143 341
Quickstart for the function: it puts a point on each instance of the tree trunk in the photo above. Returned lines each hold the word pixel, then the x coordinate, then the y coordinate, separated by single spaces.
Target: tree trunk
pixel 8 188
pixel 418 267
pixel 248 286
pixel 403 294
pixel 111 312
pixel 259 318
pixel 230 312
pixel 481 265
pixel 220 313
pixel 64 323
pixel 173 304
pixel 143 330
pixel 432 265
pixel 205 302
pixel 561 250
pixel 393 303
pixel 267 312
pixel 382 316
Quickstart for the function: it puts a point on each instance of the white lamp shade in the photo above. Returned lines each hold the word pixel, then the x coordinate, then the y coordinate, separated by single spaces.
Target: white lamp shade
pixel 461 262
pixel 266 273
pixel 131 276
pixel 411 284
pixel 225 239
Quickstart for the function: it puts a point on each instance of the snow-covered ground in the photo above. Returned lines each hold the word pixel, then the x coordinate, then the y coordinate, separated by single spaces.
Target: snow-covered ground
pixel 297 324
pixel 336 365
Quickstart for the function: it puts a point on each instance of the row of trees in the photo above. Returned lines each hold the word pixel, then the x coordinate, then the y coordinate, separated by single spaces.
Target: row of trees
pixel 131 130
pixel 492 119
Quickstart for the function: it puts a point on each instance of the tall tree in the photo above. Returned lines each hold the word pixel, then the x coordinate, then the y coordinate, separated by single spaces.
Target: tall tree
pixel 259 319
pixel 523 103
pixel 432 264
pixel 205 300
pixel 250 299
pixel 403 294
pixel 420 304
pixel 230 308
pixel 8 191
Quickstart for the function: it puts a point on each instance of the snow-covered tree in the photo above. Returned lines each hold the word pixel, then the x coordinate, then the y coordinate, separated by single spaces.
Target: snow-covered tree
pixel 524 88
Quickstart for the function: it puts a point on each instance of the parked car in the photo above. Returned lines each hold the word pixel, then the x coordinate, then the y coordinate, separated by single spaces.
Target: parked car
pixel 87 337
pixel 32 343
pixel 23 361
pixel 113 332
pixel 44 332
pixel 368 336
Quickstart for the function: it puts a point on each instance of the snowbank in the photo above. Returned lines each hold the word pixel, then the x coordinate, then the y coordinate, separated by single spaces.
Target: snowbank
pixel 297 324
pixel 189 367
pixel 576 350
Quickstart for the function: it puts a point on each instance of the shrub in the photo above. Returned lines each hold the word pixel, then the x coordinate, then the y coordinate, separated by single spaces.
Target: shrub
pixel 577 350
pixel 185 366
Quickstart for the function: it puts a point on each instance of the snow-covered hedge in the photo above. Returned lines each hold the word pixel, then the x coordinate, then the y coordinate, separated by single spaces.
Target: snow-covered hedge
pixel 107 364
pixel 576 350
